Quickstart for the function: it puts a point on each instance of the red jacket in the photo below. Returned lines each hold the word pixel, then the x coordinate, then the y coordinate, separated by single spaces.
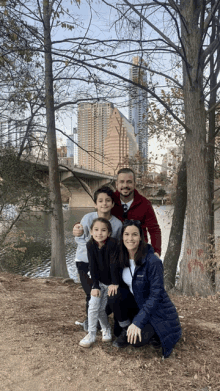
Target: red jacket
pixel 142 210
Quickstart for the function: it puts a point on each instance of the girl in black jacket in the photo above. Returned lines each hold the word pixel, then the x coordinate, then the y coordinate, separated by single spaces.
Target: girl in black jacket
pixel 102 253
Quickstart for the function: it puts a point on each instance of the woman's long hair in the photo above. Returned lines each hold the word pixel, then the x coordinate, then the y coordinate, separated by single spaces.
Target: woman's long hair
pixel 123 254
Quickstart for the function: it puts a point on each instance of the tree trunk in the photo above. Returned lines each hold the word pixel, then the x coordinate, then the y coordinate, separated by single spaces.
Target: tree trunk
pixel 194 277
pixel 58 260
pixel 211 149
pixel 175 240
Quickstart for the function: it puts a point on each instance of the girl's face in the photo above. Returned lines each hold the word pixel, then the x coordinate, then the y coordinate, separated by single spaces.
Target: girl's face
pixel 99 232
pixel 131 238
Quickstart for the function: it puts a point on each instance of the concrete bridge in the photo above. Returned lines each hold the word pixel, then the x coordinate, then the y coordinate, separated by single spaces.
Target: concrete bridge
pixel 80 182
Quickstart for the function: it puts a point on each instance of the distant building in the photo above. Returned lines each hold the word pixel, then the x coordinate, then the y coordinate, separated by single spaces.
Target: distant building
pixel 93 125
pixel 60 142
pixel 72 148
pixel 120 143
pixel 40 147
pixel 171 161
pixel 12 133
pixel 138 104
pixel 62 151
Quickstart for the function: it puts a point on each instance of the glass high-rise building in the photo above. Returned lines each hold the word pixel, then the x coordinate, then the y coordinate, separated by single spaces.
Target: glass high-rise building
pixel 138 104
pixel 72 147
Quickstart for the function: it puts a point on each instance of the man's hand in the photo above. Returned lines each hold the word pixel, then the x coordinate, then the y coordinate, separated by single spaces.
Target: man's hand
pixel 112 290
pixel 96 292
pixel 78 230
pixel 132 333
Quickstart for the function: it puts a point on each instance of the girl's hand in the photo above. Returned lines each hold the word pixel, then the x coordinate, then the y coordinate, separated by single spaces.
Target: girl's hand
pixel 95 292
pixel 78 230
pixel 132 333
pixel 112 290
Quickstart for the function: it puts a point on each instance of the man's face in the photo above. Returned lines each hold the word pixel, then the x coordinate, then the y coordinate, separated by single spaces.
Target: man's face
pixel 125 184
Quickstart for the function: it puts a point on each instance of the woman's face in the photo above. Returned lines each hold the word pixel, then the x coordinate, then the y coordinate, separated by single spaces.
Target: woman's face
pixel 131 238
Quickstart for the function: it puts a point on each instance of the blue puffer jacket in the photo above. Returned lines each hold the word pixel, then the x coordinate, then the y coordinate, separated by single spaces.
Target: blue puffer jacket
pixel 155 305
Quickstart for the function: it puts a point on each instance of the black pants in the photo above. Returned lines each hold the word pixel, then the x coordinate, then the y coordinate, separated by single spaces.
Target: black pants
pixel 124 306
pixel 85 280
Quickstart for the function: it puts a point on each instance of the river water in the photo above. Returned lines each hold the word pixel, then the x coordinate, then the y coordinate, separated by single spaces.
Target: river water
pixel 36 260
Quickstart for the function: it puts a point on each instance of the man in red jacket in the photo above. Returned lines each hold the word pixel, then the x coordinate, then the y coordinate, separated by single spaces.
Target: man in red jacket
pixel 131 205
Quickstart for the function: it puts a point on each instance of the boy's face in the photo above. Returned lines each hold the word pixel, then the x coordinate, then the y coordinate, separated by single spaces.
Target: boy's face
pixel 99 232
pixel 104 203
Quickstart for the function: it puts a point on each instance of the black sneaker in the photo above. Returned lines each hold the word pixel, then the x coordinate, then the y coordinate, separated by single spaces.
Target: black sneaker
pixel 121 341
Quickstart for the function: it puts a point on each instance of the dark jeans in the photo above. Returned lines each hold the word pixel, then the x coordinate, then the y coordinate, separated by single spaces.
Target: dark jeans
pixel 124 306
pixel 85 280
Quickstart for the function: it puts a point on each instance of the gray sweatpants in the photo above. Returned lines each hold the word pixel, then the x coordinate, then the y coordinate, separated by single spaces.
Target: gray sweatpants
pixel 97 310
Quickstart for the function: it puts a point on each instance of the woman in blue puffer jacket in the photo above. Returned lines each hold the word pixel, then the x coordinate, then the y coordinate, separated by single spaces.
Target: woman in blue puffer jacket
pixel 141 306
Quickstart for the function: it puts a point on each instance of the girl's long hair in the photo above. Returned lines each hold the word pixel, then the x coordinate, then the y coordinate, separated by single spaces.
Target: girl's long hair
pixel 123 254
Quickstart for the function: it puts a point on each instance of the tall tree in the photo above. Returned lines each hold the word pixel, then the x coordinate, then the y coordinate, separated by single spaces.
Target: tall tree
pixel 58 264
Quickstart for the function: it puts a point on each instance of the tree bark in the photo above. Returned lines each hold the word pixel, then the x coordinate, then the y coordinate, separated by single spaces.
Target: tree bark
pixel 58 261
pixel 176 233
pixel 194 277
pixel 211 146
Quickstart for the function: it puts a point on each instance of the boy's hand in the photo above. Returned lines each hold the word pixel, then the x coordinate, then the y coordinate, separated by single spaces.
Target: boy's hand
pixel 95 292
pixel 78 230
pixel 112 290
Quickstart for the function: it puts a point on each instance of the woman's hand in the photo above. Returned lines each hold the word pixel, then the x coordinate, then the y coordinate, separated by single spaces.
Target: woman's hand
pixel 78 230
pixel 132 333
pixel 112 290
pixel 95 292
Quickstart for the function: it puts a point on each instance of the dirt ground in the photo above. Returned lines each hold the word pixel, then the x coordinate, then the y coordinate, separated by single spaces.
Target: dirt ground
pixel 40 344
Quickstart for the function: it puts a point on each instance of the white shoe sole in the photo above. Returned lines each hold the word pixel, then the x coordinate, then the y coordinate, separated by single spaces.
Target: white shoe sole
pixel 106 339
pixel 86 345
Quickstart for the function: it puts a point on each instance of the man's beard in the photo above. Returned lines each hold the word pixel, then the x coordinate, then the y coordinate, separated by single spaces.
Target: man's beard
pixel 126 195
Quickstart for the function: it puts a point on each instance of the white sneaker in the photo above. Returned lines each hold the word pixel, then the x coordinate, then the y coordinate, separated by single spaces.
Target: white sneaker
pixel 87 341
pixel 106 335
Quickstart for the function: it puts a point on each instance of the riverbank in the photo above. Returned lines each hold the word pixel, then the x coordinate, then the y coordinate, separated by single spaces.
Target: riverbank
pixel 40 350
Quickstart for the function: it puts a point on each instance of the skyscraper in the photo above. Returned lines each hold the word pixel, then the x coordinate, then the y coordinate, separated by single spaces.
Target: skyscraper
pixel 93 124
pixel 72 148
pixel 138 103
pixel 120 143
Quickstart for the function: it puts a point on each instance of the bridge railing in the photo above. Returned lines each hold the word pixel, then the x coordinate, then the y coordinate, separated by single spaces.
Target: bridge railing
pixel 67 161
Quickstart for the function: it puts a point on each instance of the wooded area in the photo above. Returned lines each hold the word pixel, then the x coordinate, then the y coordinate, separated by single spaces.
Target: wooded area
pixel 50 60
